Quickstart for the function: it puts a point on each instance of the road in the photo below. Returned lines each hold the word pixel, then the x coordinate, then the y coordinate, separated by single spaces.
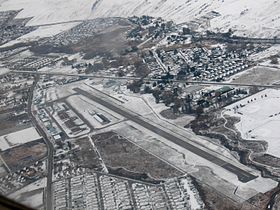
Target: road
pixel 143 43
pixel 242 175
pixel 159 62
pixel 48 198
pixel 240 39
pixel 64 22
pixel 146 79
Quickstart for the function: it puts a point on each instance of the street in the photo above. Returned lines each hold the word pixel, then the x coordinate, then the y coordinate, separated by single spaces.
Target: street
pixel 48 198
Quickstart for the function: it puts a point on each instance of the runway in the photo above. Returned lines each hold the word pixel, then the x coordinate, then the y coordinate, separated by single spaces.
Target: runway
pixel 242 175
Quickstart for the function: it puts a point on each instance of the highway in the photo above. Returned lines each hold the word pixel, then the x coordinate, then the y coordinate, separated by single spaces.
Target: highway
pixel 242 175
pixel 145 79
pixel 48 195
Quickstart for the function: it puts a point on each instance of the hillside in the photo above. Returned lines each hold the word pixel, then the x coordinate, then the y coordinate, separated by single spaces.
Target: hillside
pixel 49 11
pixel 247 17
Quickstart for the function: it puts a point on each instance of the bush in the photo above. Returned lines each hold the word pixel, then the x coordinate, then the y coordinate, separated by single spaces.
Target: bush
pixel 274 60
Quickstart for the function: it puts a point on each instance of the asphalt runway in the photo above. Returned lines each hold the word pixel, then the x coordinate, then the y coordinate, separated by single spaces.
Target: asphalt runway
pixel 242 175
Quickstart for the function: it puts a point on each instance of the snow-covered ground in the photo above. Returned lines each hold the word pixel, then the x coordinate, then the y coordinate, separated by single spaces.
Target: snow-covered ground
pixel 269 64
pixel 143 104
pixel 250 18
pixel 184 159
pixel 49 11
pixel 41 32
pixel 260 118
pixel 18 138
pixel 59 68
pixel 3 70
pixel 31 195
pixel 217 177
pixel 275 49
pixel 56 92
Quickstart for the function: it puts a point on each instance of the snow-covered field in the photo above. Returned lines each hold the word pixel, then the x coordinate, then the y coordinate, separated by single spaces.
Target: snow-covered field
pixel 31 195
pixel 3 70
pixel 58 68
pixel 49 11
pixel 260 118
pixel 17 138
pixel 56 92
pixel 275 49
pixel 42 32
pixel 250 18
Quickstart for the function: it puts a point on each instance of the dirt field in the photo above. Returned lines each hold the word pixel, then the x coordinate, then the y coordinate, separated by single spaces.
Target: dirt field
pixel 111 42
pixel 118 152
pixel 169 114
pixel 24 155
pixel 9 124
pixel 267 159
pixel 85 157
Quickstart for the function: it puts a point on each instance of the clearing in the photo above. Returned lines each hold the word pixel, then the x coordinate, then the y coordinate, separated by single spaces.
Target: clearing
pixel 118 152
pixel 259 118
pixel 18 138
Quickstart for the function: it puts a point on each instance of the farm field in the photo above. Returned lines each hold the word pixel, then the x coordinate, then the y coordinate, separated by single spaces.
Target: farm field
pixel 259 118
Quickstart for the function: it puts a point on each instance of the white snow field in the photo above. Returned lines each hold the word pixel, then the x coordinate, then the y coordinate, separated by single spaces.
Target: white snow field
pixel 260 119
pixel 49 11
pixel 3 70
pixel 31 195
pixel 249 17
pixel 18 138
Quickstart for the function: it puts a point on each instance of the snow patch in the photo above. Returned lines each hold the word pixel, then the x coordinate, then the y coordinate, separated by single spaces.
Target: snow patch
pixel 18 138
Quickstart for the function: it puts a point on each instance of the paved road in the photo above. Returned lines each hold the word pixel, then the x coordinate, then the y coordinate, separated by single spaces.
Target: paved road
pixel 63 22
pixel 147 79
pixel 242 175
pixel 48 198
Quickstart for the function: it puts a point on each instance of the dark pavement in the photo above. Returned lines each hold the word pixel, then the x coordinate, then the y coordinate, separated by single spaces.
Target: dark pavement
pixel 242 175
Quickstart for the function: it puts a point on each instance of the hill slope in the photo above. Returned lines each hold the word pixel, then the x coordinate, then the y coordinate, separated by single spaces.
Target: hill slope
pixel 49 11
pixel 249 17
